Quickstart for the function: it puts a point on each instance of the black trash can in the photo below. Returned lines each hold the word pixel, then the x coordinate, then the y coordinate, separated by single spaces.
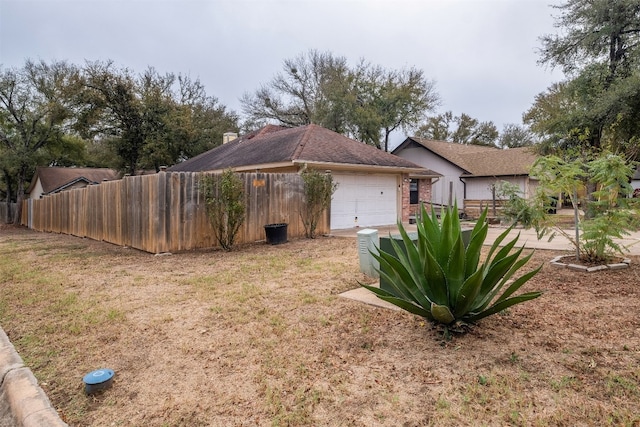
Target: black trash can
pixel 276 233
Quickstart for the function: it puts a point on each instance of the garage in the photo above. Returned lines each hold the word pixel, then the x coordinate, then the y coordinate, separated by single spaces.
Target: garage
pixel 364 200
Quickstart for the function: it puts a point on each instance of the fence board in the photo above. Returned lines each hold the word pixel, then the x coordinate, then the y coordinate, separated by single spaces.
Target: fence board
pixel 166 212
pixel 7 211
pixel 473 208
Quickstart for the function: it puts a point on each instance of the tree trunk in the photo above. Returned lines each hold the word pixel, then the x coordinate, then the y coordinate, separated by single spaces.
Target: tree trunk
pixel 20 195
pixel 576 222
pixel 591 188
pixel 386 140
pixel 8 179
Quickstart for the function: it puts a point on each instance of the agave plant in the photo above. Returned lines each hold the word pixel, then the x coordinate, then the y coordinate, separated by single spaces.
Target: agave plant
pixel 439 278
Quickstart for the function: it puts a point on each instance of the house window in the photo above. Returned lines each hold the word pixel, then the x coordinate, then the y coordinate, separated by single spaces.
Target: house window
pixel 413 192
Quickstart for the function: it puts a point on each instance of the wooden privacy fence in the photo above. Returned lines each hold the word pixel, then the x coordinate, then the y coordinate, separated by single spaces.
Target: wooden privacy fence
pixel 165 212
pixel 7 210
pixel 473 208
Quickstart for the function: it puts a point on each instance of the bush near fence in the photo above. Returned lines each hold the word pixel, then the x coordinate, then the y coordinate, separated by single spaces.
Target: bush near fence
pixel 165 212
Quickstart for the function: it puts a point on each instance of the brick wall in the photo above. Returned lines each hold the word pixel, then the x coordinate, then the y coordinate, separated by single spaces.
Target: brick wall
pixel 405 197
pixel 424 196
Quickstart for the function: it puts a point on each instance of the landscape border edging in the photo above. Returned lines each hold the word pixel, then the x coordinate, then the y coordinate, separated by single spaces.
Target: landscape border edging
pixel 556 262
pixel 28 404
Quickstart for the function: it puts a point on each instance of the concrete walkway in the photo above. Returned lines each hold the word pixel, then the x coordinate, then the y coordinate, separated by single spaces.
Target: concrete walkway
pixel 528 238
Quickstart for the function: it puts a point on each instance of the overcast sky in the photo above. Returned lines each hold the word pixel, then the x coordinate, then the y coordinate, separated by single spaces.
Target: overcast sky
pixel 481 53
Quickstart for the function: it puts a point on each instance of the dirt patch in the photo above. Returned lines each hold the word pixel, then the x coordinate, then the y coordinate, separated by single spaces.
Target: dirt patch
pixel 259 336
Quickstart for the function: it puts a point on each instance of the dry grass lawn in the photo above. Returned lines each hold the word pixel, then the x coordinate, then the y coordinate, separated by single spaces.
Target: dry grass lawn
pixel 259 337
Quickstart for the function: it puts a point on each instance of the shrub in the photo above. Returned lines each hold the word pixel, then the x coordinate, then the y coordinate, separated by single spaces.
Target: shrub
pixel 609 213
pixel 515 208
pixel 440 279
pixel 224 200
pixel 318 190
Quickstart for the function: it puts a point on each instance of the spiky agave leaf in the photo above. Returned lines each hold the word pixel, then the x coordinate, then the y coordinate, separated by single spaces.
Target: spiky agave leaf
pixel 441 280
pixel 399 302
pixel 401 279
pixel 474 249
pixel 492 288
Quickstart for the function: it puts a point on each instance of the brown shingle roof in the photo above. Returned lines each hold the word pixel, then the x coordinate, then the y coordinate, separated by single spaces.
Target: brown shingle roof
pixel 477 160
pixel 275 145
pixel 55 178
pixel 512 161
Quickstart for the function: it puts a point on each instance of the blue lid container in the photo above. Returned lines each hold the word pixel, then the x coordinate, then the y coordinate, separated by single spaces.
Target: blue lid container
pixel 98 380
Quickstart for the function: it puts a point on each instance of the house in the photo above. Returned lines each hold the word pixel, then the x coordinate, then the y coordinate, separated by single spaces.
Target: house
pixel 373 185
pixel 635 183
pixel 469 172
pixel 51 180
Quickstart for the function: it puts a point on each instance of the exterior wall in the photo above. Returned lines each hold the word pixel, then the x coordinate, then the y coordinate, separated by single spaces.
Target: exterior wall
pixel 447 186
pixel 532 185
pixel 480 188
pixel 405 197
pixel 479 193
pixel 424 196
pixel 291 169
pixel 403 208
pixel 37 191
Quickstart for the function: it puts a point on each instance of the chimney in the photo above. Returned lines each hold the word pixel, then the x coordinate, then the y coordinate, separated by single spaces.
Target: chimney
pixel 229 136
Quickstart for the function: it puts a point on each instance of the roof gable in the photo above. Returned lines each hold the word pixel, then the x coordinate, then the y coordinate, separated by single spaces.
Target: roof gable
pixel 54 179
pixel 477 160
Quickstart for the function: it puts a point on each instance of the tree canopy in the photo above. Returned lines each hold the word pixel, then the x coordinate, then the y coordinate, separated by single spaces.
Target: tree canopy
pixel 595 32
pixel 35 114
pixel 514 136
pixel 462 129
pixel 99 115
pixel 365 102
pixel 598 47
pixel 149 119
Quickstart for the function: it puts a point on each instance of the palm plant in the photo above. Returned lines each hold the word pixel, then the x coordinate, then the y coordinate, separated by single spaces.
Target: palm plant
pixel 440 279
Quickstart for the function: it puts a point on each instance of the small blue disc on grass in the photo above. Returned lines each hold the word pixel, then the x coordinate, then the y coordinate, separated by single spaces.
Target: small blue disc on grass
pixel 98 380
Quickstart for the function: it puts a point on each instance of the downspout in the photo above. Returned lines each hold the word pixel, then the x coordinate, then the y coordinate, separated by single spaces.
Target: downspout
pixel 464 190
pixel 464 194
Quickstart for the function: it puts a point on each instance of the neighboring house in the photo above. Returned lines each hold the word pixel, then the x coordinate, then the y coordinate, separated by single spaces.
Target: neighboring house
pixel 373 186
pixel 469 171
pixel 56 179
pixel 635 182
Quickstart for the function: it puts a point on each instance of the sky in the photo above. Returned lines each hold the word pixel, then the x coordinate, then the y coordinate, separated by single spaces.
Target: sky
pixel 481 54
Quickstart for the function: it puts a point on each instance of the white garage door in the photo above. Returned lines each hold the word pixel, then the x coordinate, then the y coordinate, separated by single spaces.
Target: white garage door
pixel 372 199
